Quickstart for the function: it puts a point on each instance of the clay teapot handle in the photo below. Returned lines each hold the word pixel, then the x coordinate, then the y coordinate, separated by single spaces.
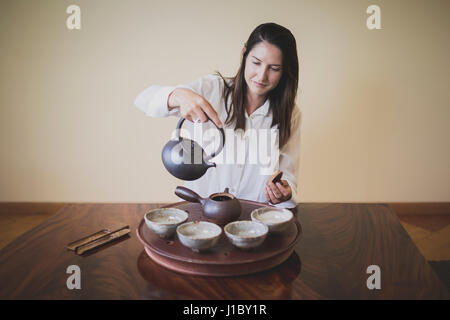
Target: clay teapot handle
pixel 221 143
pixel 178 129
pixel 188 194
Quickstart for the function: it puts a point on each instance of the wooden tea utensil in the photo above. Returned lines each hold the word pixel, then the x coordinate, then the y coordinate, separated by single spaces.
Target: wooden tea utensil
pixel 276 177
pixel 97 239
pixel 77 243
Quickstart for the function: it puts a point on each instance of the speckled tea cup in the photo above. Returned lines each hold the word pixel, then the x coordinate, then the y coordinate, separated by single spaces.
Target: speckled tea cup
pixel 276 219
pixel 199 235
pixel 164 221
pixel 246 234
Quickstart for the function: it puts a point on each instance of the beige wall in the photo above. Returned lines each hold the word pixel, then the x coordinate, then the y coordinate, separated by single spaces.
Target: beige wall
pixel 376 104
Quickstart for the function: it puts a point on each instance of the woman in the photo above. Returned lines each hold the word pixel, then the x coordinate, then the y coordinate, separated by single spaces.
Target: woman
pixel 260 97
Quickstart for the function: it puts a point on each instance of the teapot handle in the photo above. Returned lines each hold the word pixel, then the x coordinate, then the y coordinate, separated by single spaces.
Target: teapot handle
pixel 222 137
pixel 188 194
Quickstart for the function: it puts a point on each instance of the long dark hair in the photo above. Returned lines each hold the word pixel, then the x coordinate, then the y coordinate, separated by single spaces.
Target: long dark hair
pixel 282 98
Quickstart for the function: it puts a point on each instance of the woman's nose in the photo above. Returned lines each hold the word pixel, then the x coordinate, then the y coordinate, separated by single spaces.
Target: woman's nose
pixel 262 74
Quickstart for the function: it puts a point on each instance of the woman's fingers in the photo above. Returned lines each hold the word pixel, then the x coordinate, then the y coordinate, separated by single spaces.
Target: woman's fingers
pixel 275 190
pixel 190 117
pixel 283 189
pixel 279 192
pixel 201 110
pixel 199 115
pixel 212 114
pixel 270 196
pixel 193 106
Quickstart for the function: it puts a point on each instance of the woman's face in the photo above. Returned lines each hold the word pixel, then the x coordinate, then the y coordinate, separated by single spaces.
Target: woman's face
pixel 263 68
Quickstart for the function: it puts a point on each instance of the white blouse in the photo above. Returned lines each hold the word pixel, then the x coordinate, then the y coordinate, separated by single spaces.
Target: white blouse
pixel 243 166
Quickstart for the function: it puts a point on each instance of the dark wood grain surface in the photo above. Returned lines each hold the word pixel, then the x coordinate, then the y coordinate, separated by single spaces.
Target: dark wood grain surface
pixel 339 242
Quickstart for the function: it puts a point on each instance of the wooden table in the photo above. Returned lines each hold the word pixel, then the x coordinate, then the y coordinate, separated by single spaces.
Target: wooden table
pixel 339 243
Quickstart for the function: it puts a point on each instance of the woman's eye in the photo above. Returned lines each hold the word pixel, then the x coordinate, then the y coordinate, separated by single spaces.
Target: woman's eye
pixel 276 69
pixel 256 63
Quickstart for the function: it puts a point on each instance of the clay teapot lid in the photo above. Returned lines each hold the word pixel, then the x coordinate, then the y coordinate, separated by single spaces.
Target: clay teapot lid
pixel 225 194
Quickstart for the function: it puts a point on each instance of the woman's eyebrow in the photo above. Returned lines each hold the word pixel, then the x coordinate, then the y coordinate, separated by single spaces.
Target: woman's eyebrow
pixel 274 65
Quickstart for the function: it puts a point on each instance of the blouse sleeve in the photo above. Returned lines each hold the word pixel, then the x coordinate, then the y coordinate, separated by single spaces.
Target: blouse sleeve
pixel 153 100
pixel 290 160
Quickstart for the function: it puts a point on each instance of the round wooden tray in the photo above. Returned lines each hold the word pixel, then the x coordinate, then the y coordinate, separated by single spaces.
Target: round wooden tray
pixel 223 259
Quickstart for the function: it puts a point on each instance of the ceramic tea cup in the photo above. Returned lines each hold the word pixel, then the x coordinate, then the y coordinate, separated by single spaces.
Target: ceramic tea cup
pixel 164 221
pixel 276 219
pixel 246 234
pixel 199 235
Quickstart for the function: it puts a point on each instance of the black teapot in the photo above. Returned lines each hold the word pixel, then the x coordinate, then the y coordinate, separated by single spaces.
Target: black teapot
pixel 185 159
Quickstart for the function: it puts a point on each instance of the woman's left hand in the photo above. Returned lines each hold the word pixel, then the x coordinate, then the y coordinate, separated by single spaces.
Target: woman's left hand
pixel 279 192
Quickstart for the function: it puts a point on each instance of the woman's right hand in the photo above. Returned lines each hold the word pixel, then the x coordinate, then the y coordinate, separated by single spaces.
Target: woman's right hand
pixel 193 106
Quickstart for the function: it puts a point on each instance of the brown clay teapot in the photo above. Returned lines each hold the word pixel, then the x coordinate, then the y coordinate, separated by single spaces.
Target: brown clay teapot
pixel 220 208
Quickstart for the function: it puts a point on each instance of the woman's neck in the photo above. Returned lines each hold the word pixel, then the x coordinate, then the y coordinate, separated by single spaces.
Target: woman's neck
pixel 253 102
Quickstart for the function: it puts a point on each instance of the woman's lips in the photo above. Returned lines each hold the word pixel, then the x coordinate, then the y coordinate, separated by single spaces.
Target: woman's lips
pixel 258 84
